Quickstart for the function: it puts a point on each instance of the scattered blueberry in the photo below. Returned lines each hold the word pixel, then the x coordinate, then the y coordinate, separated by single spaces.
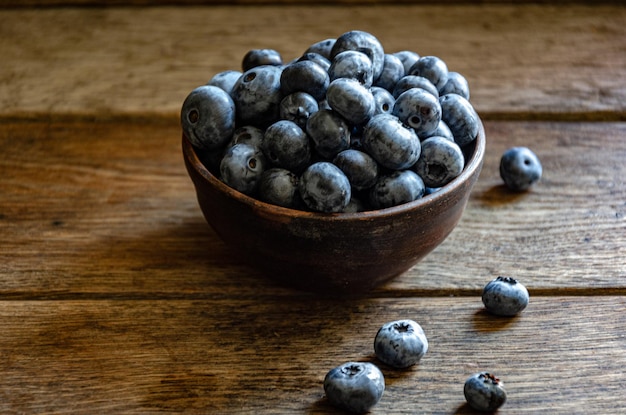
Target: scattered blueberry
pixel 208 117
pixel 400 344
pixel 354 386
pixel 520 168
pixel 325 188
pixel 441 160
pixel 484 392
pixel 505 296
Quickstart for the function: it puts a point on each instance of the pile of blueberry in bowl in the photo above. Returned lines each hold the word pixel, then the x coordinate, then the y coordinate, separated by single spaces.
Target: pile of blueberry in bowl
pixel 339 170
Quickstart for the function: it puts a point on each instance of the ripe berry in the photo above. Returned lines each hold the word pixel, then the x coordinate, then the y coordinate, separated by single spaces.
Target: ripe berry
pixel 505 296
pixel 484 392
pixel 401 343
pixel 354 386
pixel 520 168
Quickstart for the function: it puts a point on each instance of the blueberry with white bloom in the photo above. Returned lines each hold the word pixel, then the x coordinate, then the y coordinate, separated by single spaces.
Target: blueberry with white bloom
pixel 441 160
pixel 400 344
pixel 279 187
pixel 354 65
pixel 505 296
pixel 359 167
pixel 393 70
pixel 304 76
pixel 259 57
pixel 246 134
pixel 396 188
pixel 207 117
pixel 257 96
pixel 323 47
pixel 325 188
pixel 225 80
pixel 418 109
pixel 460 117
pixel 242 167
pixel 298 107
pixel 317 58
pixel 286 145
pixel 390 142
pixel 442 130
pixel 384 100
pixel 408 59
pixel 354 386
pixel 432 68
pixel 329 132
pixel 520 168
pixel 484 392
pixel 351 100
pixel 413 81
pixel 456 84
pixel 363 42
pixel 355 206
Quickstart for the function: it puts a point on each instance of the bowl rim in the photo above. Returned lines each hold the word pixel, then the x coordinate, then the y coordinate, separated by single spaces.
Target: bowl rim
pixel 475 163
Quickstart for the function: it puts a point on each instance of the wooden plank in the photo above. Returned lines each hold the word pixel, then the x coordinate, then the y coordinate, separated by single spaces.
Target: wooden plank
pixel 522 61
pixel 107 209
pixel 269 356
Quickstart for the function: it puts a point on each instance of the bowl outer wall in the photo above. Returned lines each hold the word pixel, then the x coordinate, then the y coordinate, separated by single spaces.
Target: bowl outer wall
pixel 322 252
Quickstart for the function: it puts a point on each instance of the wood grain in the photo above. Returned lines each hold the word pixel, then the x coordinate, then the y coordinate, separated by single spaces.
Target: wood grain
pixel 107 209
pixel 271 355
pixel 522 61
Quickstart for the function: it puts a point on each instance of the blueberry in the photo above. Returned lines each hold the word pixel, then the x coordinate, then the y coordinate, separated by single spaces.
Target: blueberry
pixel 259 57
pixel 363 42
pixel 505 296
pixel 225 80
pixel 442 130
pixel 484 392
pixel 354 386
pixel 208 117
pixel 418 109
pixel 323 47
pixel 242 166
pixel 359 167
pixel 400 344
pixel 396 188
pixel 317 58
pixel 304 76
pixel 393 70
pixel 356 205
pixel 279 187
pixel 408 59
pixel 520 168
pixel 390 143
pixel 383 99
pixel 286 145
pixel 460 117
pixel 324 187
pixel 298 107
pixel 257 96
pixel 352 64
pixel 329 132
pixel 441 161
pixel 351 100
pixel 456 84
pixel 432 68
pixel 413 81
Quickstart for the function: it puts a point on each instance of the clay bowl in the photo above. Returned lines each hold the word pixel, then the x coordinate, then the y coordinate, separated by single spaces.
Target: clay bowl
pixel 332 253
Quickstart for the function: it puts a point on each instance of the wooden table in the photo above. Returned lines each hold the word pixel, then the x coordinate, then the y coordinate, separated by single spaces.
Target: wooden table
pixel 116 297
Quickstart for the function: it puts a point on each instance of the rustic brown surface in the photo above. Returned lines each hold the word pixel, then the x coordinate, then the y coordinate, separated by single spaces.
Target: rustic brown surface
pixel 116 297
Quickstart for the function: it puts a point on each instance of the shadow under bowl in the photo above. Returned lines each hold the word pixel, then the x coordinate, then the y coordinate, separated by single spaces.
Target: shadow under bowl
pixel 333 253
